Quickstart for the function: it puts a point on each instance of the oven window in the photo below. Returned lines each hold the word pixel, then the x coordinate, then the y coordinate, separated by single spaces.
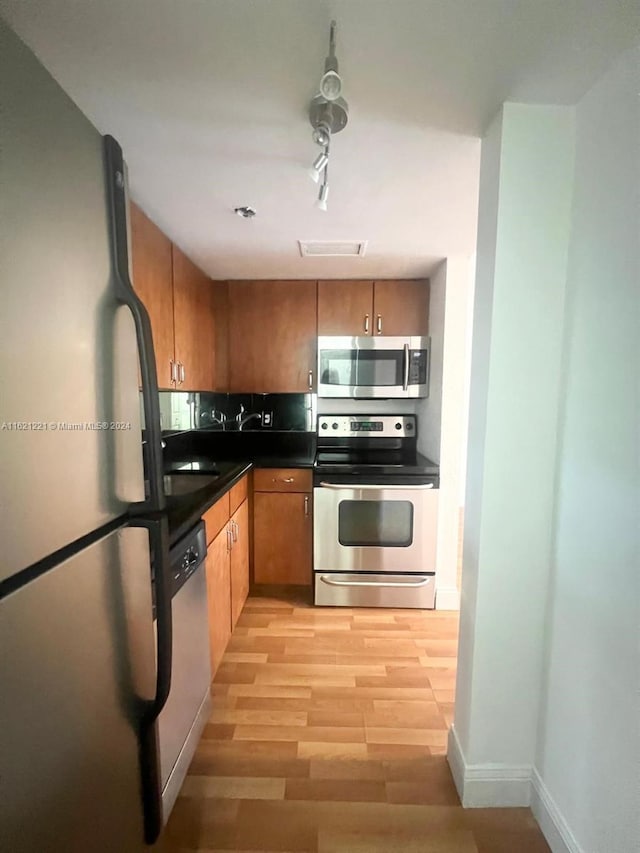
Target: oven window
pixel 369 368
pixel 379 524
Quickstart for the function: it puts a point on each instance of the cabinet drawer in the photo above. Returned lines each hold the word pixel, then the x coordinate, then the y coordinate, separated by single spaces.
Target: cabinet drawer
pixel 216 517
pixel 238 494
pixel 282 480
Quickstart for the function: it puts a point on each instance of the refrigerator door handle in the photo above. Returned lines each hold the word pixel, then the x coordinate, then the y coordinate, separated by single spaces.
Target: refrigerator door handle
pixel 116 194
pixel 149 758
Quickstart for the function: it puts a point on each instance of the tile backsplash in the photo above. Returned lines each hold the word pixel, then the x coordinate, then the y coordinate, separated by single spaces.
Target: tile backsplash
pixel 181 410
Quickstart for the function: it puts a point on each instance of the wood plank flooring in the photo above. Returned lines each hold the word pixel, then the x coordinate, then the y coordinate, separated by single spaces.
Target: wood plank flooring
pixel 328 735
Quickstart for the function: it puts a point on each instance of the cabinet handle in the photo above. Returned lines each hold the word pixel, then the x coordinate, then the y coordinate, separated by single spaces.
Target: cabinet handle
pixel 311 380
pixel 234 530
pixel 182 373
pixel 287 479
pixel 229 539
pixel 366 324
pixel 306 505
pixel 172 366
pixel 379 323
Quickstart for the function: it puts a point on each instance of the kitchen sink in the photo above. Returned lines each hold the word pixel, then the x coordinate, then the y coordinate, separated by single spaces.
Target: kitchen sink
pixel 182 484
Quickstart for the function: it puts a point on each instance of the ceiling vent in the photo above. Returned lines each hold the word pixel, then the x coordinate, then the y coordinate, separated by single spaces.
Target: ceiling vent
pixel 332 248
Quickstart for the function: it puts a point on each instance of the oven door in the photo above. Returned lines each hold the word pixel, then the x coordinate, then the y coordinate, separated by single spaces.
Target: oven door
pixel 366 368
pixel 375 528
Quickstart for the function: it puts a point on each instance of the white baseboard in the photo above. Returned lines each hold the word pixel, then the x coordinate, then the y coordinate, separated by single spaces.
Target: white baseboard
pixel 552 823
pixel 499 785
pixel 488 785
pixel 447 598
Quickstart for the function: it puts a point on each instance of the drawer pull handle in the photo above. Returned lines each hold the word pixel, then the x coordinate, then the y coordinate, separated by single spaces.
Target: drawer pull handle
pixel 410 585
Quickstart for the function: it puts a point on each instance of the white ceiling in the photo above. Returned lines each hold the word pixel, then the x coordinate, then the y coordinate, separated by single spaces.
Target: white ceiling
pixel 209 101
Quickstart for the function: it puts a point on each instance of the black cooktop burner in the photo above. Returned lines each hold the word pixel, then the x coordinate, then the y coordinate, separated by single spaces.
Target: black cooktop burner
pixel 384 463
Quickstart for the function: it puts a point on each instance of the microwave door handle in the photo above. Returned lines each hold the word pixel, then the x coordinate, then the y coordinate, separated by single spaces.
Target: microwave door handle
pixel 376 487
pixel 405 380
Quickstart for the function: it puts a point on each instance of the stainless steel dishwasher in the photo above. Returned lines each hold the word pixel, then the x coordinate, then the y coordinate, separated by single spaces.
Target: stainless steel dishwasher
pixel 187 710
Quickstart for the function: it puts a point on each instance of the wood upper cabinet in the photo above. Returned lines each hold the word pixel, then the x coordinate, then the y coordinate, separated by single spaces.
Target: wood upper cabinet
pixel 360 308
pixel 218 570
pixel 345 307
pixel 401 307
pixel 188 311
pixel 152 280
pixel 239 560
pixel 272 336
pixel 193 324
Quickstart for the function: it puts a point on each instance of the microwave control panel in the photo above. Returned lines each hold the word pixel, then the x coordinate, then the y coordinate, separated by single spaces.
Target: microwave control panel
pixel 417 366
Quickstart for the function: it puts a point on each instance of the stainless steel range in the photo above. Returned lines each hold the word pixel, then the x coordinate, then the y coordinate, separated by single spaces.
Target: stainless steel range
pixel 375 513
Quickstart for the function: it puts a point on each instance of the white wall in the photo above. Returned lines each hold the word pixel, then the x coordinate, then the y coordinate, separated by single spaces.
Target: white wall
pixel 548 693
pixel 524 216
pixel 444 413
pixel 588 756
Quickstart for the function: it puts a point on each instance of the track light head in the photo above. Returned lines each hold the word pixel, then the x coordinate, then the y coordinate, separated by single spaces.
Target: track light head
pixel 321 203
pixel 319 165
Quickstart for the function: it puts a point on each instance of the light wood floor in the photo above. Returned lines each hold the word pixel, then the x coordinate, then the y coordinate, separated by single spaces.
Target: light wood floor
pixel 328 735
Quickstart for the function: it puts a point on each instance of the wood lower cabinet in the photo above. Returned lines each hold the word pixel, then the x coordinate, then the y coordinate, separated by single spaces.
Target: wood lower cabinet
pixel 218 569
pixel 282 537
pixel 272 336
pixel 385 307
pixel 153 282
pixel 239 560
pixel 227 565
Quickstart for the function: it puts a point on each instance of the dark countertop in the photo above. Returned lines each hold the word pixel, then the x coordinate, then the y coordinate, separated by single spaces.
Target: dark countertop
pixel 232 454
pixel 183 511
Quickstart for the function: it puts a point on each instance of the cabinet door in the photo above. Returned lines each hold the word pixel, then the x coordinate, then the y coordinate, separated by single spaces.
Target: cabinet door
pixel 194 324
pixel 220 309
pixel 282 531
pixel 152 280
pixel 401 307
pixel 239 561
pixel 272 336
pixel 345 308
pixel 219 596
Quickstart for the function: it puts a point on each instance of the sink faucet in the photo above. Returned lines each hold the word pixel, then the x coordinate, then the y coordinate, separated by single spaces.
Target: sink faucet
pixel 242 419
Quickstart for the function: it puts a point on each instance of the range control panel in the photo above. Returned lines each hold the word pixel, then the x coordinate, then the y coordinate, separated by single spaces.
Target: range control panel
pixel 366 426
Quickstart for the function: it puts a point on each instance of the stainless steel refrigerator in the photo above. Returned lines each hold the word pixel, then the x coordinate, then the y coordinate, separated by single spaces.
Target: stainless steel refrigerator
pixel 84 669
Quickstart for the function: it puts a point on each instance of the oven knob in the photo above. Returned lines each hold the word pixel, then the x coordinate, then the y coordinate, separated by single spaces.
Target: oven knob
pixel 334 425
pixel 398 425
pixel 324 425
pixel 409 427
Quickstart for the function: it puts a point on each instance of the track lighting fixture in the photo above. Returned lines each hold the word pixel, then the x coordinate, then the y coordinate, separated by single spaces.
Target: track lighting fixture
pixel 328 114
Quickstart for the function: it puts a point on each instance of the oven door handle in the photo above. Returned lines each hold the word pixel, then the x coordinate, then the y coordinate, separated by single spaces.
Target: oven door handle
pixel 395 585
pixel 377 487
pixel 405 379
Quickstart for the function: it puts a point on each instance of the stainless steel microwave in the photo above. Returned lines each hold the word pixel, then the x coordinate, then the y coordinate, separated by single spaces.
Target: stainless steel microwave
pixel 373 367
